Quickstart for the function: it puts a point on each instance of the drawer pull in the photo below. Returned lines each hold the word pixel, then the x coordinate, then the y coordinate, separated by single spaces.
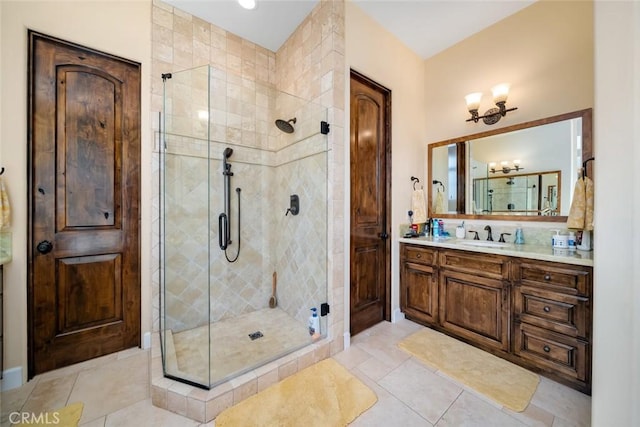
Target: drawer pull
pixel 547 309
pixel 547 277
pixel 546 349
pixel 418 255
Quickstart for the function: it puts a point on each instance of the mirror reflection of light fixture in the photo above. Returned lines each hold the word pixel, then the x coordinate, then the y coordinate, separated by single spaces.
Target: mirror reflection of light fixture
pixel 505 167
pixel 493 115
pixel 248 4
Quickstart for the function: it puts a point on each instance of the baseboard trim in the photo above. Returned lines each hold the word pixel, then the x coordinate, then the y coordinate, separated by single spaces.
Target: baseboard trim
pixel 397 315
pixel 146 341
pixel 12 378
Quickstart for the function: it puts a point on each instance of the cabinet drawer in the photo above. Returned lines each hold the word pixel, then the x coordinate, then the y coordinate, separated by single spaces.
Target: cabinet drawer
pixel 485 265
pixel 566 314
pixel 563 277
pixel 419 254
pixel 563 355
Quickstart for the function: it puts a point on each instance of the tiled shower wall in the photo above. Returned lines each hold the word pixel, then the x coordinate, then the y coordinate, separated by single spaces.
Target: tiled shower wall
pixel 310 65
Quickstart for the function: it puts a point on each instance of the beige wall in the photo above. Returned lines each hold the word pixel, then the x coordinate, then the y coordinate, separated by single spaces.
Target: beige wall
pixel 120 28
pixel 616 350
pixel 379 55
pixel 545 51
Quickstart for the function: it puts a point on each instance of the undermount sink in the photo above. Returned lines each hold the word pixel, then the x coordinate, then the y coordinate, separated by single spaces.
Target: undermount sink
pixel 484 244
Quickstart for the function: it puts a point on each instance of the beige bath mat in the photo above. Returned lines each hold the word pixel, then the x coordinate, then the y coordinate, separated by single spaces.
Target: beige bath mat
pixel 324 394
pixel 502 381
pixel 69 416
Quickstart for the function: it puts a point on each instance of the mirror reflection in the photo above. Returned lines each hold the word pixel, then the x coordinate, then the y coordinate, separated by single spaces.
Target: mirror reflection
pixel 526 170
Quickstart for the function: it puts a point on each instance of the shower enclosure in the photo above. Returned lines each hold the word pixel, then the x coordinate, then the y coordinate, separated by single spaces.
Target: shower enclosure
pixel 239 269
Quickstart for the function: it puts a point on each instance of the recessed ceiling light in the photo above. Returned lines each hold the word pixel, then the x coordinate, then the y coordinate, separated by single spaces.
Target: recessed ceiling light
pixel 248 4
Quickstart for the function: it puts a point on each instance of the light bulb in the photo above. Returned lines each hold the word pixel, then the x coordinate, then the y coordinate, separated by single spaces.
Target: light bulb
pixel 500 92
pixel 248 4
pixel 473 100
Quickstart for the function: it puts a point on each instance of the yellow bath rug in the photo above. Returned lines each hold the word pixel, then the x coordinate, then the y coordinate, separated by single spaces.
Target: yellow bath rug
pixel 507 384
pixel 69 416
pixel 324 394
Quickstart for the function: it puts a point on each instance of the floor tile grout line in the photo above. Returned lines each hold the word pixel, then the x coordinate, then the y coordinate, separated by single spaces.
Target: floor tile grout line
pixel 448 408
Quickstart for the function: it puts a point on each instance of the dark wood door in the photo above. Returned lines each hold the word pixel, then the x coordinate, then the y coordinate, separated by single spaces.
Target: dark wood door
pixel 370 197
pixel 84 191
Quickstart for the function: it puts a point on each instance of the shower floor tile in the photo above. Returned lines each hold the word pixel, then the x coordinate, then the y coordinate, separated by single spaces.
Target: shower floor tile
pixel 232 350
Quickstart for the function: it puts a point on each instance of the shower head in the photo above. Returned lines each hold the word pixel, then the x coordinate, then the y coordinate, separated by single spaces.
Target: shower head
pixel 286 125
pixel 227 152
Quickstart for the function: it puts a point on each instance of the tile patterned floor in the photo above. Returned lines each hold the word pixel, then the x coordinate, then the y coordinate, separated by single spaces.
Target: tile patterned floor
pixel 281 334
pixel 115 391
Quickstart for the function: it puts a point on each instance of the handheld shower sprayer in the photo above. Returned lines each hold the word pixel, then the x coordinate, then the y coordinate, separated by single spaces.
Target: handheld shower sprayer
pixel 224 227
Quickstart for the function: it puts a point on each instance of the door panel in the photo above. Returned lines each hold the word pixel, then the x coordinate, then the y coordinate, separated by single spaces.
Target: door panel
pixel 370 197
pixel 84 192
pixel 487 322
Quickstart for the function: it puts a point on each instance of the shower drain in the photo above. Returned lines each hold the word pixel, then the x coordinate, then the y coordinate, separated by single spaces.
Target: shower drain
pixel 255 335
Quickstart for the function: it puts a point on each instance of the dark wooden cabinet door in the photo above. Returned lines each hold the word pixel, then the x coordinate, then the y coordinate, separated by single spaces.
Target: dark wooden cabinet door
pixel 370 222
pixel 84 191
pixel 419 292
pixel 475 308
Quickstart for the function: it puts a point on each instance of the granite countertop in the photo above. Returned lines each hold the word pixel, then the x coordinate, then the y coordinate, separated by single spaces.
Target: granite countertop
pixel 542 253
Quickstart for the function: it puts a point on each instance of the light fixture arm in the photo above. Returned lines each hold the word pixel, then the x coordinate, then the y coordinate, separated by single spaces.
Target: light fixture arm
pixel 491 116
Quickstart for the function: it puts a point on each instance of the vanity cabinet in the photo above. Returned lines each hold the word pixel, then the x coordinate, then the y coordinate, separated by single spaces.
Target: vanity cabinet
pixel 474 297
pixel 552 318
pixel 533 313
pixel 419 290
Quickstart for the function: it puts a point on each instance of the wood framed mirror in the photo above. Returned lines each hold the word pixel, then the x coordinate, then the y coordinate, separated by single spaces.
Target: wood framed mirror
pixel 534 166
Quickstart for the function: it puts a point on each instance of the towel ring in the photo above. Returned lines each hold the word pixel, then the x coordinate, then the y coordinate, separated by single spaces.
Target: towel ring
pixel 584 166
pixel 435 181
pixel 1 171
pixel 415 181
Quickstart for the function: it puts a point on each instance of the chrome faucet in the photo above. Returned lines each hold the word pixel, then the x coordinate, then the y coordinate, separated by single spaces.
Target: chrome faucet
pixel 489 236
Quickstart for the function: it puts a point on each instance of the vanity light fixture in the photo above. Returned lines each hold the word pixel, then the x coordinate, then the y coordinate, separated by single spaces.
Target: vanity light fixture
pixel 248 4
pixel 505 167
pixel 492 115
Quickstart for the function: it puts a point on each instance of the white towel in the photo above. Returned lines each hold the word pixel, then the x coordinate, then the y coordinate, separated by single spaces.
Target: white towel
pixel 5 208
pixel 438 204
pixel 419 207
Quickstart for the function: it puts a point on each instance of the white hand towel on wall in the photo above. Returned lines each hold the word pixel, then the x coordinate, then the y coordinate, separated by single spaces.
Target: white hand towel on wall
pixel 419 207
pixel 5 208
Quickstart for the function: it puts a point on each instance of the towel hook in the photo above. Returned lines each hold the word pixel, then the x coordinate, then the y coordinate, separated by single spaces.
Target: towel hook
pixel 584 166
pixel 415 181
pixel 435 181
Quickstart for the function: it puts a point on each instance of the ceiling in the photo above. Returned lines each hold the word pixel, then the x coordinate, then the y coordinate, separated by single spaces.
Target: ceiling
pixel 425 26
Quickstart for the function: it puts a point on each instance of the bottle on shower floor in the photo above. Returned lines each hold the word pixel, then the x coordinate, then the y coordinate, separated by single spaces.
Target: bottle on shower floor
pixel 314 323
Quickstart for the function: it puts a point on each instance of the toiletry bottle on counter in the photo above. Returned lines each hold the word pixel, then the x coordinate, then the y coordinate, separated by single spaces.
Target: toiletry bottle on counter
pixel 519 237
pixel 435 228
pixel 571 243
pixel 314 322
